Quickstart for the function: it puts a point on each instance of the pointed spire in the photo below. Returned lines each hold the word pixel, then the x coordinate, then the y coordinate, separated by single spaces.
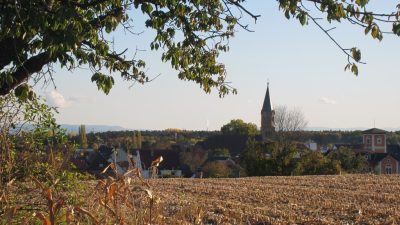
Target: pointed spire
pixel 267 106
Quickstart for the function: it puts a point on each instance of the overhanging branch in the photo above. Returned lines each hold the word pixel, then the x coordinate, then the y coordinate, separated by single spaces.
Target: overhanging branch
pixel 31 66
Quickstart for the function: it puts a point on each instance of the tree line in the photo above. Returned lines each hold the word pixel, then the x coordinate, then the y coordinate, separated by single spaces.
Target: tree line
pixel 139 139
pixel 278 159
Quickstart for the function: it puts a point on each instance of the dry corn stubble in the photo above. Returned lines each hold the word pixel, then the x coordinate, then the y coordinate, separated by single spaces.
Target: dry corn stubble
pixel 348 199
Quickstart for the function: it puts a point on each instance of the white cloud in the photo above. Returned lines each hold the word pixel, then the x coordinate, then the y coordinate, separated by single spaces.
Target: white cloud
pixel 55 98
pixel 327 100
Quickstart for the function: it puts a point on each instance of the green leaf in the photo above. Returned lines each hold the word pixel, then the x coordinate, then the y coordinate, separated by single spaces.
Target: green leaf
pixel 287 14
pixel 356 54
pixel 302 16
pixel 340 13
pixel 396 28
pixel 103 82
pixel 362 3
pixel 347 66
pixel 108 28
pixel 376 33
pixel 367 29
pixel 354 69
pixel 22 92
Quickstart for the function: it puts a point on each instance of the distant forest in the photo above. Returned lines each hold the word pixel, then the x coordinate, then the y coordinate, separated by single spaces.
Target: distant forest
pixel 167 138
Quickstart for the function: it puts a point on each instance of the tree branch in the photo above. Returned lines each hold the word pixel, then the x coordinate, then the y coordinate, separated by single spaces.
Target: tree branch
pixel 9 48
pixel 31 66
pixel 84 5
pixel 330 37
pixel 361 13
pixel 237 4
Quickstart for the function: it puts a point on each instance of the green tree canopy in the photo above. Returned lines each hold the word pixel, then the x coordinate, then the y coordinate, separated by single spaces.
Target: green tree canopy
pixel 314 163
pixel 36 34
pixel 349 160
pixel 260 158
pixel 239 127
pixel 255 158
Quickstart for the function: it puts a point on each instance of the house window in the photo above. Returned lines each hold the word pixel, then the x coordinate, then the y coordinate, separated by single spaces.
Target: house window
pixel 388 169
pixel 368 140
pixel 379 140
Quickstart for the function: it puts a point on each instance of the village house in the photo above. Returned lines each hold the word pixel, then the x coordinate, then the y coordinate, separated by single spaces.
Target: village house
pixel 90 160
pixel 169 167
pixel 383 158
pixel 94 161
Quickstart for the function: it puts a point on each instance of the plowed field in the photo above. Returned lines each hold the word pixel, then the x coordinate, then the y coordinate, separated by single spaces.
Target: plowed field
pixel 347 199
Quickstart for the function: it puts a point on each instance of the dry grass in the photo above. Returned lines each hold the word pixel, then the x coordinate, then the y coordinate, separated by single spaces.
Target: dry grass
pixel 349 199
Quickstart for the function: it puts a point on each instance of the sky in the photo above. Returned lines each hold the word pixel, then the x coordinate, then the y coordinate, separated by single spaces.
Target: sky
pixel 304 68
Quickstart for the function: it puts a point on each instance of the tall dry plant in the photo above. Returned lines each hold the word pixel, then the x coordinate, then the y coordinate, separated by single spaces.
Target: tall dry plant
pixel 17 115
pixel 121 199
pixel 10 113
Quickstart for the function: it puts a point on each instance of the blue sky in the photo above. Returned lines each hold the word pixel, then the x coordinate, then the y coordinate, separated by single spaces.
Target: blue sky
pixel 304 67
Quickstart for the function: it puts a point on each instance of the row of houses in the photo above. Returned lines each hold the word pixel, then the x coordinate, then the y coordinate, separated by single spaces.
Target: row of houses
pixel 383 158
pixel 95 161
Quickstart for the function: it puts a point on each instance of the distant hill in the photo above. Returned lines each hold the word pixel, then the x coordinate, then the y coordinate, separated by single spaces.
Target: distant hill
pixel 92 128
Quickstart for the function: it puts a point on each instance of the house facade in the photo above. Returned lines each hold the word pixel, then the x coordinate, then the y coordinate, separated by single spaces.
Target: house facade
pixel 382 158
pixel 374 140
pixel 384 164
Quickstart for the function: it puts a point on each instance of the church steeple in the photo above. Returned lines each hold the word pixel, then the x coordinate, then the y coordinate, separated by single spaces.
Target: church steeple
pixel 267 117
pixel 267 106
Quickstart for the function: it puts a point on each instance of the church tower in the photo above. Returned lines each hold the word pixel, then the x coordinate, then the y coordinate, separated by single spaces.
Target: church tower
pixel 267 118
